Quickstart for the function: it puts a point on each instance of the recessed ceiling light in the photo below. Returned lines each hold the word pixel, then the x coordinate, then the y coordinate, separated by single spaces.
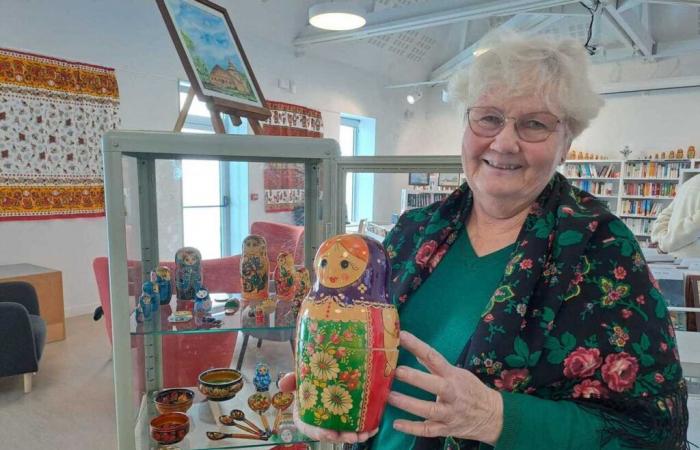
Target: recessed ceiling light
pixel 337 16
pixel 480 51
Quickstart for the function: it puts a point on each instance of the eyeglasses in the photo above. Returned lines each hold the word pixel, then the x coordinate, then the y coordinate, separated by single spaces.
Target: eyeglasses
pixel 487 121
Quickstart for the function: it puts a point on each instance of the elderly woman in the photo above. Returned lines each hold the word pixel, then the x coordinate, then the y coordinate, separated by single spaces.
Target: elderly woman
pixel 531 319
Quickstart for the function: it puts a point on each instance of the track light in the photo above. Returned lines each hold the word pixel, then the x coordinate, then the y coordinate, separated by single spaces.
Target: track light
pixel 414 96
pixel 337 16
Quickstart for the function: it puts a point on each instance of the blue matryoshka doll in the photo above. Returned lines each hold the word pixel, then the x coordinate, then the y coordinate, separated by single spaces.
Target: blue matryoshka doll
pixel 188 272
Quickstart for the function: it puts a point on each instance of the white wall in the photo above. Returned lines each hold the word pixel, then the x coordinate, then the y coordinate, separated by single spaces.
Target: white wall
pixel 129 36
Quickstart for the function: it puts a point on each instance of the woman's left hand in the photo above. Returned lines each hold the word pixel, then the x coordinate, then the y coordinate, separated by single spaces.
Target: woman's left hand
pixel 464 408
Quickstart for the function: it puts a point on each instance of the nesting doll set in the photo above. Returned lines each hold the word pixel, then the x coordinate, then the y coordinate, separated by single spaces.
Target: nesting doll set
pixel 188 273
pixel 347 337
pixel 255 267
pixel 285 275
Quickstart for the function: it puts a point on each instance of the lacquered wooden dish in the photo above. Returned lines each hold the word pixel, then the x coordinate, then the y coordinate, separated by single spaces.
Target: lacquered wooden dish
pixel 170 428
pixel 220 384
pixel 173 400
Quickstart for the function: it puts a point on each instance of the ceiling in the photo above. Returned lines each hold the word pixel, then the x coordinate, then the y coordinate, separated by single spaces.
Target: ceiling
pixel 423 41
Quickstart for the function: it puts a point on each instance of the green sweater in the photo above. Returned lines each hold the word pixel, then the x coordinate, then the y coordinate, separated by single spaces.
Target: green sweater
pixel 443 316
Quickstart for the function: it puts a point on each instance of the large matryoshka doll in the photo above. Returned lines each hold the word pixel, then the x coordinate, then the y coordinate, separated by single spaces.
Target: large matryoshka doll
pixel 188 272
pixel 347 337
pixel 255 268
pixel 285 274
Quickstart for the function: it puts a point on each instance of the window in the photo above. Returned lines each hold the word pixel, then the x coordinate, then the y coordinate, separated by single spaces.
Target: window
pixel 214 194
pixel 349 129
pixel 356 138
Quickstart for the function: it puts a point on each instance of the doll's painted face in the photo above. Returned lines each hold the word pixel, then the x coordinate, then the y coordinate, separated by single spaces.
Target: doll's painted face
pixel 341 261
pixel 190 259
pixel 254 245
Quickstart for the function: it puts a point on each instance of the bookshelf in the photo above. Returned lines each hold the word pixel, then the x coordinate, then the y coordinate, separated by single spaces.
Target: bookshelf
pixel 637 190
pixel 418 198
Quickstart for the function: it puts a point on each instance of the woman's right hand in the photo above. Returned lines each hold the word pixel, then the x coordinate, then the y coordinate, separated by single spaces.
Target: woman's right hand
pixel 288 383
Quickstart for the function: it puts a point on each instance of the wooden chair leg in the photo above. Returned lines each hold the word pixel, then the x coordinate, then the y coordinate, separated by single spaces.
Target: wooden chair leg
pixel 28 382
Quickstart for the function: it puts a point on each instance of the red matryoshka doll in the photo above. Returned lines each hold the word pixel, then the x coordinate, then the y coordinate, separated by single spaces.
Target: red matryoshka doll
pixel 347 337
pixel 255 268
pixel 285 277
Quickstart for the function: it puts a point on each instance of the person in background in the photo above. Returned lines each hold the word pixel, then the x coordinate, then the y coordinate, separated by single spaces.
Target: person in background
pixel 677 228
pixel 530 318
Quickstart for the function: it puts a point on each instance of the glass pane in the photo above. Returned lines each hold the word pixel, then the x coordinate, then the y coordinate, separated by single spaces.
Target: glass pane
pixel 202 230
pixel 198 108
pixel 347 140
pixel 200 183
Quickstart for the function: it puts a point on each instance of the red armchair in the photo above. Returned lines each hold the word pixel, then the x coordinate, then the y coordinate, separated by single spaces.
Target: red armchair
pixel 184 356
pixel 281 237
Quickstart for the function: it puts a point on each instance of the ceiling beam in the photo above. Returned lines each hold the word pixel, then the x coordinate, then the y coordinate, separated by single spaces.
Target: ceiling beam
pixel 523 23
pixel 675 2
pixel 663 50
pixel 571 10
pixel 424 15
pixel 624 5
pixel 630 30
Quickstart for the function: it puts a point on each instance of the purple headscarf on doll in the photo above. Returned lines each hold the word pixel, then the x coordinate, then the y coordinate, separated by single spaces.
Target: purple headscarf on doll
pixel 372 284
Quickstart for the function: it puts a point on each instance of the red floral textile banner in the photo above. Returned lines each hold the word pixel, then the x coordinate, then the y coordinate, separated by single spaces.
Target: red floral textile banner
pixel 284 183
pixel 53 114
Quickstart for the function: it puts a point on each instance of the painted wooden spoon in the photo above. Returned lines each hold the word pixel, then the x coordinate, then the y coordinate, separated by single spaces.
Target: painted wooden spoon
pixel 231 422
pixel 281 401
pixel 217 436
pixel 260 403
pixel 237 414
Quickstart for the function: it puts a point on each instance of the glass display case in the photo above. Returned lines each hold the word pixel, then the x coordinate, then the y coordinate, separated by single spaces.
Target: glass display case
pixel 280 188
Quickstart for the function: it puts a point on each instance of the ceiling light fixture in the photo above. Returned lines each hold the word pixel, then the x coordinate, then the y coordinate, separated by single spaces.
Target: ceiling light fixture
pixel 337 16
pixel 414 96
pixel 480 51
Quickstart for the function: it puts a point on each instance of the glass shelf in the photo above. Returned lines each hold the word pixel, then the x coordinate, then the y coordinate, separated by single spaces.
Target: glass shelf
pixel 203 417
pixel 268 316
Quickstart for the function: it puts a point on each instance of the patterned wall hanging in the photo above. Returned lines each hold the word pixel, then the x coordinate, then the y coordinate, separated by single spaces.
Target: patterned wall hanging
pixel 53 114
pixel 284 183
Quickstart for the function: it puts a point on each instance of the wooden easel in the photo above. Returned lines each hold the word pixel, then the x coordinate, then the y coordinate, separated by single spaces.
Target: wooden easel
pixel 215 115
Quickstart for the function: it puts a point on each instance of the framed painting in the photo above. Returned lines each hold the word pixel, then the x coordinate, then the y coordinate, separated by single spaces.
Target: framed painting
pixel 418 178
pixel 213 57
pixel 450 180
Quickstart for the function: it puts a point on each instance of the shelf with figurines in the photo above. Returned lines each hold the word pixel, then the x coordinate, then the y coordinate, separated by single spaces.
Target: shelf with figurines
pixel 193 309
pixel 222 411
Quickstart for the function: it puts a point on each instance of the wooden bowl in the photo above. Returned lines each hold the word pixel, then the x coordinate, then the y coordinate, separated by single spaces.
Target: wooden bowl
pixel 220 384
pixel 173 400
pixel 170 428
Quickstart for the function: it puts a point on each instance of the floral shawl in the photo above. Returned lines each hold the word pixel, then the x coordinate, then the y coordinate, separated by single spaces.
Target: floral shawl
pixel 577 315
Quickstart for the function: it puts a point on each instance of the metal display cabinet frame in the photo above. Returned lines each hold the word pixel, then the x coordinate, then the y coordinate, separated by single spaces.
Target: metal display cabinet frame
pixel 389 164
pixel 319 157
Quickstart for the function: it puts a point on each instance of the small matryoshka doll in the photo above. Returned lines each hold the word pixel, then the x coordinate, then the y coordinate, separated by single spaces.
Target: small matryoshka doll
pixel 663 155
pixel 671 154
pixel 163 282
pixel 285 277
pixel 255 268
pixel 188 272
pixel 691 152
pixel 679 153
pixel 262 377
pixel 347 337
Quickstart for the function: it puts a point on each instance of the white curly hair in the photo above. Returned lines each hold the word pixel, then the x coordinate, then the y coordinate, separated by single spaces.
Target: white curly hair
pixel 554 69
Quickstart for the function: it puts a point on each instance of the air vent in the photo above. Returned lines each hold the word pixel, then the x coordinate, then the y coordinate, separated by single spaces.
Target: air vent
pixel 412 45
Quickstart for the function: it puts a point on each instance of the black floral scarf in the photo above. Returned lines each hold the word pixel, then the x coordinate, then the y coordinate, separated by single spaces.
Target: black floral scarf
pixel 577 316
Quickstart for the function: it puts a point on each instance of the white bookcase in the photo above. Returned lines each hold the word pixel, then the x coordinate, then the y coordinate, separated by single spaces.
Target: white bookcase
pixel 635 189
pixel 418 198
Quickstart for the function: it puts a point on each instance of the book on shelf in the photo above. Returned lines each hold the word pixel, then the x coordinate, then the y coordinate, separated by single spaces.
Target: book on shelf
pixel 655 169
pixel 638 226
pixel 591 170
pixel 641 207
pixel 604 188
pixel 650 189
